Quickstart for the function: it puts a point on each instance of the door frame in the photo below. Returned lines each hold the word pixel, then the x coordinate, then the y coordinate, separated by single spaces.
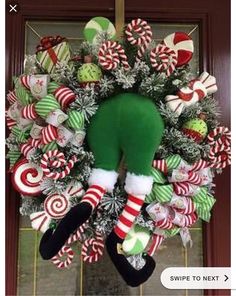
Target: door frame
pixel 216 234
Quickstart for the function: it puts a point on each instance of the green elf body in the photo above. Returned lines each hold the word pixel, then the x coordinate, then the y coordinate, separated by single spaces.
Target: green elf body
pixel 126 125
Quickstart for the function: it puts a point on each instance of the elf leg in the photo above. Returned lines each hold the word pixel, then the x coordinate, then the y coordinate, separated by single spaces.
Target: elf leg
pixel 104 145
pixel 139 144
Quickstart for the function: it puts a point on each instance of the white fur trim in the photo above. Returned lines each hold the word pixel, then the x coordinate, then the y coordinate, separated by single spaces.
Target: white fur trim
pixel 138 185
pixel 103 178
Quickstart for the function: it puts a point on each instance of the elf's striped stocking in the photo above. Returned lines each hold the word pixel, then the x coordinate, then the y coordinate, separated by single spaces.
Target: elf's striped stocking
pixel 127 217
pixel 93 195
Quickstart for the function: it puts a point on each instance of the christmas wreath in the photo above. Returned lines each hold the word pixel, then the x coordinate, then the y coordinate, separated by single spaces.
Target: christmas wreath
pixel 115 143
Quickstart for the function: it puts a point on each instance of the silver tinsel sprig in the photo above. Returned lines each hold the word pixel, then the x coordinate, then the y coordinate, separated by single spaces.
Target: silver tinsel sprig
pixel 153 86
pixel 144 221
pixel 126 79
pixel 141 69
pixel 12 143
pixel 50 186
pixel 104 224
pixel 107 86
pixel 86 101
pixel 63 73
pixel 31 65
pixel 35 158
pixel 30 205
pixel 170 117
pixel 113 203
pixel 174 142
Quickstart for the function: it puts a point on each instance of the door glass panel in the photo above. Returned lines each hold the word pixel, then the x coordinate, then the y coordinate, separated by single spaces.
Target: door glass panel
pixel 39 277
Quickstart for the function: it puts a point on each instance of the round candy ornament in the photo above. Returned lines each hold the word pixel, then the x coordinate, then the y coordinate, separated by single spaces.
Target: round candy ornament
pixel 182 44
pixel 26 178
pixel 196 129
pixel 97 25
pixel 136 240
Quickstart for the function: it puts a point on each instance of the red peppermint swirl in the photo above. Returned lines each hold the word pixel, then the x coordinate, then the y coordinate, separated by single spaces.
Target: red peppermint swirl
pixel 56 206
pixel 26 178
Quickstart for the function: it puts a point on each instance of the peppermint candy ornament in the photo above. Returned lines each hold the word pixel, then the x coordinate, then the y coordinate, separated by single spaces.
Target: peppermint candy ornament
pixel 98 25
pixel 163 59
pixel 54 159
pixel 139 33
pixel 26 178
pixel 136 240
pixel 56 206
pixel 111 54
pixel 219 136
pixel 182 44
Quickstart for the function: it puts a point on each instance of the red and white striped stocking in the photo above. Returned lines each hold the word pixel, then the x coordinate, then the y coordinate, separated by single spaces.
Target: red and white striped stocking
pixel 93 195
pixel 127 217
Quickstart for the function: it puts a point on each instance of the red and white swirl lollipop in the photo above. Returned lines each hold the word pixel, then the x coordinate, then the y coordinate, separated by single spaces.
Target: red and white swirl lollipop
pixel 182 44
pixel 57 259
pixel 219 136
pixel 26 178
pixel 139 33
pixel 56 206
pixel 111 54
pixel 163 59
pixel 92 249
pixel 54 159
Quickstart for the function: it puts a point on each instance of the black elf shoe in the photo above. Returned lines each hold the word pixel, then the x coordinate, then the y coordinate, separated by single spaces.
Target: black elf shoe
pixel 130 275
pixel 52 242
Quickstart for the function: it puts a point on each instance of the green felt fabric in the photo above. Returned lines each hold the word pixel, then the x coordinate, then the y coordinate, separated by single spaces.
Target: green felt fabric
pixel 128 124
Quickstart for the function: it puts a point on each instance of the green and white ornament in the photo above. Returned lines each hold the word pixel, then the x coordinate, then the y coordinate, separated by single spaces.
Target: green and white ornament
pixel 89 73
pixel 136 240
pixel 196 129
pixel 97 25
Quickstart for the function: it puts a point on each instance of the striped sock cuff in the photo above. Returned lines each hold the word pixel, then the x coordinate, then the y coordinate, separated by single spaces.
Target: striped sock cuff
pixel 127 217
pixel 93 195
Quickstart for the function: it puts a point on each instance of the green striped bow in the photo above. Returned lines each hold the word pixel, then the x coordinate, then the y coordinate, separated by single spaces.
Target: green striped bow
pixel 21 135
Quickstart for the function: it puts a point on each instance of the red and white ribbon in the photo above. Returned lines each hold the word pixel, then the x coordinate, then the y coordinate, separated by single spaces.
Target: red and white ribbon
pixel 27 150
pixel 52 160
pixel 25 81
pixel 139 33
pixel 92 249
pixel 57 259
pixel 156 242
pixel 163 59
pixel 111 54
pixel 167 217
pixel 196 90
pixel 11 97
pixel 10 122
pixel 29 112
pixel 49 134
pixel 65 96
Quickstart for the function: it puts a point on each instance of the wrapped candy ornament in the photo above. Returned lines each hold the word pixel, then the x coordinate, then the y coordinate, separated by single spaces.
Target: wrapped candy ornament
pixel 196 90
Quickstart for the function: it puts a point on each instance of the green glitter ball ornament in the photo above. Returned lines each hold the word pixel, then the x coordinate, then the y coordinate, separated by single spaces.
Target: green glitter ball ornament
pixel 89 73
pixel 195 129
